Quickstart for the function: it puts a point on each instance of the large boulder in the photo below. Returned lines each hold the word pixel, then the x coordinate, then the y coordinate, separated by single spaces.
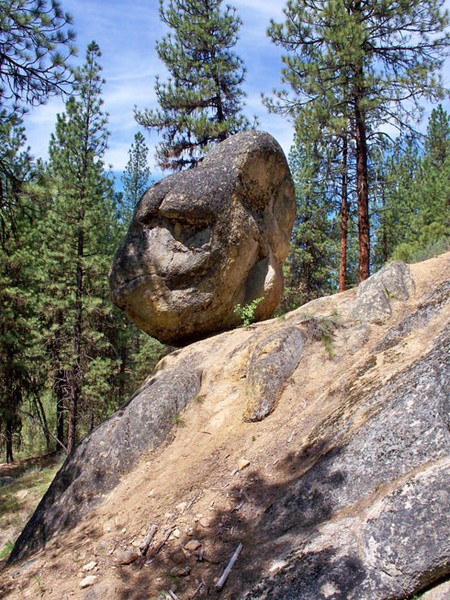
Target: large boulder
pixel 205 240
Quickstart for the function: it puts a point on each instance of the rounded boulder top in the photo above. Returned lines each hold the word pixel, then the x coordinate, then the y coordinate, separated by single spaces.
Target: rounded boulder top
pixel 204 240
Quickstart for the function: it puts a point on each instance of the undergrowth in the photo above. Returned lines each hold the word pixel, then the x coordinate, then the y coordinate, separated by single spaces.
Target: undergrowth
pixel 322 329
pixel 18 500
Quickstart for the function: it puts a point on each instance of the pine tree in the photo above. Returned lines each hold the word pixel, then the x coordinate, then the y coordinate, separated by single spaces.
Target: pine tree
pixel 310 271
pixel 79 244
pixel 12 174
pixel 17 292
pixel 365 60
pixel 429 223
pixel 36 43
pixel 136 175
pixel 201 103
pixel 35 48
pixel 412 221
pixel 437 141
pixel 395 165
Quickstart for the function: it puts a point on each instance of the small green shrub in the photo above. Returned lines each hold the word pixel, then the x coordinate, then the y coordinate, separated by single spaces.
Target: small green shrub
pixel 178 420
pixel 247 312
pixel 322 329
pixel 6 549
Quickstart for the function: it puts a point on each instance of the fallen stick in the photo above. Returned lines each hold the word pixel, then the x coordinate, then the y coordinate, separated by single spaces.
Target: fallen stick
pixel 197 591
pixel 221 582
pixel 145 544
pixel 160 545
pixel 172 595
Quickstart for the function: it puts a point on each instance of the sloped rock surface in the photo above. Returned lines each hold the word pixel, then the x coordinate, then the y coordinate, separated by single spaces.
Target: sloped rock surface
pixel 273 361
pixel 373 300
pixel 340 492
pixel 107 453
pixel 370 517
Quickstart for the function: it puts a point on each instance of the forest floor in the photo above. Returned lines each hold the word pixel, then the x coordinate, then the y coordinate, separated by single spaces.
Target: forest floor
pixel 22 485
pixel 206 488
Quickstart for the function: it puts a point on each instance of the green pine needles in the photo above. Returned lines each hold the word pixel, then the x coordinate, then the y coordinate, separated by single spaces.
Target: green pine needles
pixel 201 102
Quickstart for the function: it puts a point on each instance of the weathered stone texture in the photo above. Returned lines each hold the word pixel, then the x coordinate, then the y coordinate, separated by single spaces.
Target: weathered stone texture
pixel 374 296
pixel 108 452
pixel 204 240
pixel 272 363
pixel 347 496
pixel 370 518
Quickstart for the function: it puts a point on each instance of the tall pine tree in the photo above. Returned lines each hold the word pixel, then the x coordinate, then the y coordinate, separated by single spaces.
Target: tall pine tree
pixel 18 316
pixel 79 242
pixel 374 61
pixel 136 176
pixel 310 272
pixel 201 103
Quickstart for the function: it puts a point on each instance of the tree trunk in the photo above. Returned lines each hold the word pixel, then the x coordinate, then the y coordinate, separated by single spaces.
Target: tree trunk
pixel 9 432
pixel 42 417
pixel 76 368
pixel 362 191
pixel 384 236
pixel 59 393
pixel 344 216
pixel 72 410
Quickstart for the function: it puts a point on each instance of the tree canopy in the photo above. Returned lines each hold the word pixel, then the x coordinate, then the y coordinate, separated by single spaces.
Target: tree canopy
pixel 359 65
pixel 35 47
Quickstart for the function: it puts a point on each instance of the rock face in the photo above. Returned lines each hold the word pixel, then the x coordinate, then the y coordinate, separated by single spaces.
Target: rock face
pixel 272 363
pixel 330 468
pixel 373 300
pixel 204 240
pixel 400 458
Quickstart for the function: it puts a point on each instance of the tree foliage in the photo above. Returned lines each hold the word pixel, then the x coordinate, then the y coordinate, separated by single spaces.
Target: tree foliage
pixel 311 263
pixel 373 63
pixel 201 102
pixel 136 176
pixel 78 245
pixel 416 217
pixel 35 46
pixel 19 355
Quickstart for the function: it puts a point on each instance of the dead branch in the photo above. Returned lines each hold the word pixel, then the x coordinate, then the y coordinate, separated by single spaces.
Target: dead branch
pixel 145 544
pixel 161 544
pixel 221 582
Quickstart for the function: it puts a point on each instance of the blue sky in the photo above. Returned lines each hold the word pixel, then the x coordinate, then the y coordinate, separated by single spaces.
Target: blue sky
pixel 126 33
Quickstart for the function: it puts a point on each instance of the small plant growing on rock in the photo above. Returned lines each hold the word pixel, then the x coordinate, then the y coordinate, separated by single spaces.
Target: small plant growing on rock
pixel 322 329
pixel 247 312
pixel 178 420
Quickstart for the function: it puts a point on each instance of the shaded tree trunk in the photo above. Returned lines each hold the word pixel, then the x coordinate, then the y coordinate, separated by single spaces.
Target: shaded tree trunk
pixel 344 217
pixel 43 421
pixel 9 432
pixel 362 191
pixel 59 393
pixel 76 369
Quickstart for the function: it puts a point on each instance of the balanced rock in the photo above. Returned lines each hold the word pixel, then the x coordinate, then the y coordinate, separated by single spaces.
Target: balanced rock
pixel 205 240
